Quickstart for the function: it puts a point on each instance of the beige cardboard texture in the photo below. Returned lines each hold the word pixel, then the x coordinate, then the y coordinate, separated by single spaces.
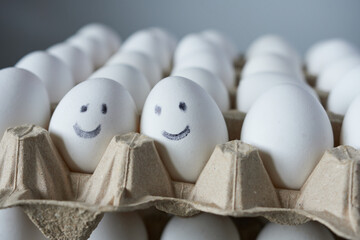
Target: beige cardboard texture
pixel 131 175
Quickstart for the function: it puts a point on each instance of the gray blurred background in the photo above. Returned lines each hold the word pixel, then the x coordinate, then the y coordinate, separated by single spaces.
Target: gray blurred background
pixel 28 25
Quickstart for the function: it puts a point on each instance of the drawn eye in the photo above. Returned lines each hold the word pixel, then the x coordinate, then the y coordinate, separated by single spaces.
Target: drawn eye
pixel 157 110
pixel 182 106
pixel 84 108
pixel 104 108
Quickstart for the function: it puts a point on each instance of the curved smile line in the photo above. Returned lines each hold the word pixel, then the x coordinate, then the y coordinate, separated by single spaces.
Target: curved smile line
pixel 179 136
pixel 84 134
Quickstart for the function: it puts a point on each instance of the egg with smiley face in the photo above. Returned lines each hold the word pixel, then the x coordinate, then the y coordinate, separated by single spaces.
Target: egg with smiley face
pixel 185 123
pixel 87 118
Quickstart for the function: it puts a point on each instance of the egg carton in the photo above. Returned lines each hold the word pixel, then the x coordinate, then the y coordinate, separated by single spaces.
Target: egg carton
pixel 131 176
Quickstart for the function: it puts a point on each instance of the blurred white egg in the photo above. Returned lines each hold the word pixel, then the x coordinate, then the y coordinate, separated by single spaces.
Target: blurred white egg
pixel 87 118
pixel 147 42
pixel 291 130
pixel 208 81
pixel 185 123
pixel 221 41
pixel 335 70
pixel 141 61
pixel 130 78
pixel 79 63
pixel 344 92
pixel 55 74
pixel 193 43
pixel 116 225
pixel 103 33
pixel 275 44
pixel 270 62
pixel 166 42
pixel 171 40
pixel 23 99
pixel 214 63
pixel 252 87
pixel 306 231
pixel 350 130
pixel 322 53
pixel 15 225
pixel 200 227
pixel 92 47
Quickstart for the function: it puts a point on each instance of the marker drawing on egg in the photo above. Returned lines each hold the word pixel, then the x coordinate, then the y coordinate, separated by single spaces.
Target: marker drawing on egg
pixel 172 136
pixel 86 134
pixel 179 136
pixel 89 134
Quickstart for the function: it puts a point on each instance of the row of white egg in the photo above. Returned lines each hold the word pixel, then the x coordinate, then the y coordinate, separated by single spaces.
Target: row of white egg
pixel 15 225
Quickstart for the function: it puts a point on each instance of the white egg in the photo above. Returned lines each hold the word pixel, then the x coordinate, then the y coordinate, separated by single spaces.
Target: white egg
pixel 15 225
pixel 208 81
pixel 141 61
pixel 270 62
pixel 271 43
pixel 124 226
pixel 344 92
pixel 79 63
pixel 185 123
pixel 200 227
pixel 23 99
pixel 171 40
pixel 335 70
pixel 222 41
pixel 147 42
pixel 291 130
pixel 252 87
pixel 324 52
pixel 87 118
pixel 130 78
pixel 104 33
pixel 306 231
pixel 51 70
pixel 350 129
pixel 193 43
pixel 92 47
pixel 214 63
pixel 166 43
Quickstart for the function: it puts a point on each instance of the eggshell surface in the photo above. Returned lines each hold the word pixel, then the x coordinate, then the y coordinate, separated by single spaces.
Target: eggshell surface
pixel 272 43
pixel 147 42
pixel 56 76
pixel 141 61
pixel 222 41
pixel 252 87
pixel 306 231
pixel 200 227
pixel 334 71
pixel 15 225
pixel 79 63
pixel 185 123
pixel 208 81
pixel 214 63
pixel 130 78
pixel 350 129
pixel 92 47
pixel 291 130
pixel 270 62
pixel 23 99
pixel 104 32
pixel 87 118
pixel 344 92
pixel 124 226
pixel 324 52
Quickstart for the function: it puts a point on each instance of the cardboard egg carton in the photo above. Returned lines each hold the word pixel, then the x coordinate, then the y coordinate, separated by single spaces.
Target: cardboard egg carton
pixel 131 176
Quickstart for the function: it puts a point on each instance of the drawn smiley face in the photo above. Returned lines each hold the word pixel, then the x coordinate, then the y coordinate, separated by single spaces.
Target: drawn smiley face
pixel 174 136
pixel 92 133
